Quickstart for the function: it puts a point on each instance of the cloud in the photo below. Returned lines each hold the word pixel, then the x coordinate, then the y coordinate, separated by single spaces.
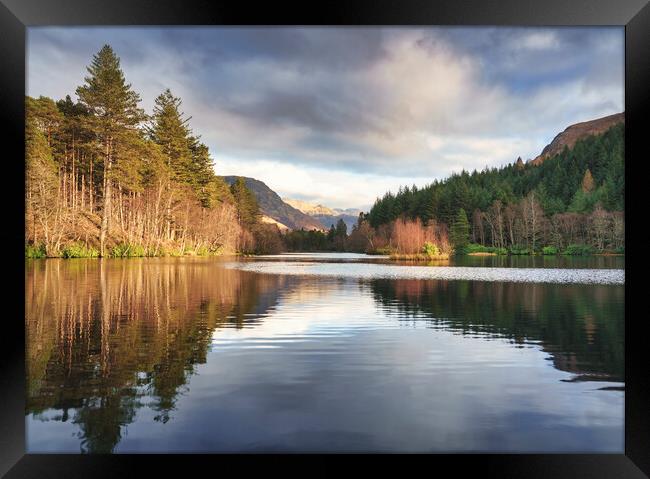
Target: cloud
pixel 345 104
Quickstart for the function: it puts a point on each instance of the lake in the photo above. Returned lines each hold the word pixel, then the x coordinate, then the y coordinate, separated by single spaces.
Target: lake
pixel 325 352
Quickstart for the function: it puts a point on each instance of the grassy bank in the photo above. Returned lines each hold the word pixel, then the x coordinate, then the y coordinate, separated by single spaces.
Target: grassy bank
pixel 121 250
pixel 419 257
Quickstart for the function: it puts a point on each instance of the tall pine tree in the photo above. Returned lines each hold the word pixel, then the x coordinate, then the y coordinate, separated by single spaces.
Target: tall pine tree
pixel 114 111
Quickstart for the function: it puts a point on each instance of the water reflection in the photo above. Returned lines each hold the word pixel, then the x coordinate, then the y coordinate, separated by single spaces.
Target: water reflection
pixel 103 335
pixel 581 325
pixel 115 345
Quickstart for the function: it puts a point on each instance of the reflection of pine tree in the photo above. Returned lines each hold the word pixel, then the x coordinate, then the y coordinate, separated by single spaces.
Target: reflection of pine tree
pixel 144 355
pixel 554 315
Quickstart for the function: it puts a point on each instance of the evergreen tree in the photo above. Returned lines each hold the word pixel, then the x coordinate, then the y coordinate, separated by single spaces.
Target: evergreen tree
pixel 245 203
pixel 169 129
pixel 460 232
pixel 114 110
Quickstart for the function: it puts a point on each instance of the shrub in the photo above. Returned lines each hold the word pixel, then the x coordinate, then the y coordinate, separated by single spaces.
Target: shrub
pixel 620 250
pixel 79 250
pixel 127 250
pixel 479 248
pixel 430 249
pixel 35 251
pixel 549 250
pixel 578 250
pixel 519 250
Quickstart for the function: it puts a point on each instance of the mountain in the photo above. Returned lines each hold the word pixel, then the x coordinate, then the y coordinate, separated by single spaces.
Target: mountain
pixel 326 216
pixel 272 206
pixel 309 208
pixel 592 157
pixel 573 133
pixel 348 211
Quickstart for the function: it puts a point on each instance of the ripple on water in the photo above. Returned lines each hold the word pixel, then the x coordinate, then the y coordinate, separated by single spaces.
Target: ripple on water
pixel 383 271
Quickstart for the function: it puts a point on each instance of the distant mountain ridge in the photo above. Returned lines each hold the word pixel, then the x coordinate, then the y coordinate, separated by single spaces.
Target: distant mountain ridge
pixel 309 208
pixel 326 216
pixel 273 207
pixel 576 132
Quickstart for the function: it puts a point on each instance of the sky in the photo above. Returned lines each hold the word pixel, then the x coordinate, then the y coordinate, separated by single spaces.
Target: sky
pixel 338 116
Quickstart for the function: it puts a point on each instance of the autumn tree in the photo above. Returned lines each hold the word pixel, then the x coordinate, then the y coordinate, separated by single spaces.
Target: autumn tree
pixel 41 186
pixel 587 182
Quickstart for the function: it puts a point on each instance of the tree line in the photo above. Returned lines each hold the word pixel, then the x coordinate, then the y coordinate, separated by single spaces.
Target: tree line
pixel 572 202
pixel 103 178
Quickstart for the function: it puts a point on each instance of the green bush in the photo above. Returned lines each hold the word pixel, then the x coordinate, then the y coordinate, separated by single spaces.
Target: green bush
pixel 519 250
pixel 476 248
pixel 208 251
pixel 578 250
pixel 79 250
pixel 430 249
pixel 35 251
pixel 127 250
pixel 549 250
pixel 479 248
pixel 620 250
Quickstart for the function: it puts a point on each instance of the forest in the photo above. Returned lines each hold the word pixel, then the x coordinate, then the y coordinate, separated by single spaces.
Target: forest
pixel 103 178
pixel 572 202
pixel 106 179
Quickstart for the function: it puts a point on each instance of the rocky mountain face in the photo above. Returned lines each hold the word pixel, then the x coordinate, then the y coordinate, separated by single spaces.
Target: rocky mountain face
pixel 309 208
pixel 573 133
pixel 326 216
pixel 276 210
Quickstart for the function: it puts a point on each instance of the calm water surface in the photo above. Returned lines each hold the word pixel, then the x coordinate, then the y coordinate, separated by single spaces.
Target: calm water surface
pixel 325 352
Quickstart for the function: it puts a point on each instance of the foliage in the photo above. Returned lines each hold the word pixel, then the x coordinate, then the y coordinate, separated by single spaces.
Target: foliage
pixel 460 232
pixel 35 251
pixel 549 250
pixel 430 249
pixel 526 204
pixel 519 250
pixel 128 250
pixel 578 250
pixel 101 172
pixel 479 248
pixel 79 250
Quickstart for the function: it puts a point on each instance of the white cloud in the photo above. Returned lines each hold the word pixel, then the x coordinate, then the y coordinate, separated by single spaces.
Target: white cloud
pixel 537 40
pixel 418 111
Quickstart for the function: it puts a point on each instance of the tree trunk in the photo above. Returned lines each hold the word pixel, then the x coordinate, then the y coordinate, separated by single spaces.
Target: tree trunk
pixel 106 210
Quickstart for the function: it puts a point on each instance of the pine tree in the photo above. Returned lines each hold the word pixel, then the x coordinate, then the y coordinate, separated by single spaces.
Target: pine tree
pixel 245 203
pixel 460 232
pixel 114 110
pixel 168 128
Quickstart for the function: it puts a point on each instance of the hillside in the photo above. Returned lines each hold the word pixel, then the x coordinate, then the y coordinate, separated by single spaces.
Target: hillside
pixel 576 132
pixel 558 181
pixel 272 206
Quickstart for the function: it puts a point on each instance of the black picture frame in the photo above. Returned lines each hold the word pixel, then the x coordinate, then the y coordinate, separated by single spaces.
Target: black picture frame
pixel 16 15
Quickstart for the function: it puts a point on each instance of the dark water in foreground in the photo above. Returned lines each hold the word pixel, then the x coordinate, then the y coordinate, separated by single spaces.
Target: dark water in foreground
pixel 299 354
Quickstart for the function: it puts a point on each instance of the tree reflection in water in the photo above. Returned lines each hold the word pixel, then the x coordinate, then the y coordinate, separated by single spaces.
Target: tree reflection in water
pixel 107 337
pixel 103 336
